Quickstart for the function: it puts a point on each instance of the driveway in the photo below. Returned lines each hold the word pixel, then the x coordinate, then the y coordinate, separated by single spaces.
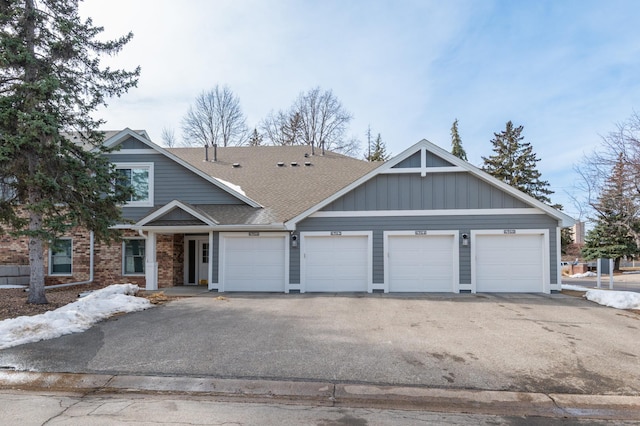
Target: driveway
pixel 519 342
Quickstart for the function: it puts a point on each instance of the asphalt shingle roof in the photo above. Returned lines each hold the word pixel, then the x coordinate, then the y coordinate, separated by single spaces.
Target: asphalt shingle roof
pixel 286 190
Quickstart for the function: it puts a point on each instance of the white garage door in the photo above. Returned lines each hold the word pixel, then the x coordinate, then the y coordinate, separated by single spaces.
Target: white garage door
pixel 419 263
pixel 253 263
pixel 336 263
pixel 509 263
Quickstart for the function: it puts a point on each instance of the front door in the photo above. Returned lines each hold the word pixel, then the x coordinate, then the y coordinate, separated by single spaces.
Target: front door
pixel 197 257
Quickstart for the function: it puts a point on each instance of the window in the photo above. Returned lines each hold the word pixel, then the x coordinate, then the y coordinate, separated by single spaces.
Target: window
pixel 133 257
pixel 138 176
pixel 60 257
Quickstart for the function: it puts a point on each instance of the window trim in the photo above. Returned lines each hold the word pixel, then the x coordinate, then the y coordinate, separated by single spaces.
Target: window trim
pixel 140 165
pixel 50 269
pixel 124 258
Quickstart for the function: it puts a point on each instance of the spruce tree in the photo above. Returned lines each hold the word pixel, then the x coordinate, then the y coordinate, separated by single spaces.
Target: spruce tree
pixel 255 139
pixel 514 163
pixel 51 81
pixel 456 142
pixel 616 223
pixel 379 152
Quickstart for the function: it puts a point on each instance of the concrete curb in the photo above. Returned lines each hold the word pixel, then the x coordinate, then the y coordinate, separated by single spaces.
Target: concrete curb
pixel 504 403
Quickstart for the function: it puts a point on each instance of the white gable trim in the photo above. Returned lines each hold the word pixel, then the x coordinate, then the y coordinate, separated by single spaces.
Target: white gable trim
pixel 170 206
pixel 451 212
pixel 126 133
pixel 424 146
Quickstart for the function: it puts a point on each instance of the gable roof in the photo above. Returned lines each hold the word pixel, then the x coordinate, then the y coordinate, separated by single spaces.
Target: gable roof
pixel 300 181
pixel 456 164
pixel 127 133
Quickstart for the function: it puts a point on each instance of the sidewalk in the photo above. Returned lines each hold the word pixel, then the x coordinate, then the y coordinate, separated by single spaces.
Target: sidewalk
pixel 600 407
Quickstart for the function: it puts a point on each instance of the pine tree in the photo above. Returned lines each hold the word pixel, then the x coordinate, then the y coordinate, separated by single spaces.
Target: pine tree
pixel 514 163
pixel 51 81
pixel 255 139
pixel 611 237
pixel 379 152
pixel 456 142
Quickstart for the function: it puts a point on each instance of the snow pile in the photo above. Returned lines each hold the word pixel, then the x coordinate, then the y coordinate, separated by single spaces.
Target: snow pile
pixel 574 287
pixel 584 275
pixel 72 318
pixel 615 299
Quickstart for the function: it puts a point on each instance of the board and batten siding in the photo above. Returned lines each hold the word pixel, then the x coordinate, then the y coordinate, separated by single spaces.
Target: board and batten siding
pixel 463 224
pixel 415 160
pixel 173 182
pixel 436 191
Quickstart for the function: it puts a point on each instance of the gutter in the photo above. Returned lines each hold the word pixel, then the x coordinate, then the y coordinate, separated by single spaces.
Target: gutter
pixel 90 280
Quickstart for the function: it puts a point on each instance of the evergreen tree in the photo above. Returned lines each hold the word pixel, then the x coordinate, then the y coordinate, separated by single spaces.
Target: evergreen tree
pixel 379 152
pixel 514 163
pixel 255 139
pixel 51 81
pixel 615 209
pixel 456 142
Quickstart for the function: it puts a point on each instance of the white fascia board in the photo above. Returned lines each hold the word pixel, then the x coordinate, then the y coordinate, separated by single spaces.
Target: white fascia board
pixel 205 228
pixel 119 137
pixel 176 204
pixel 566 219
pixel 447 212
pixel 424 145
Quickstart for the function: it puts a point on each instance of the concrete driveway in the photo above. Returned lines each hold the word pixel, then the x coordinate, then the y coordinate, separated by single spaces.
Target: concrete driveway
pixel 519 342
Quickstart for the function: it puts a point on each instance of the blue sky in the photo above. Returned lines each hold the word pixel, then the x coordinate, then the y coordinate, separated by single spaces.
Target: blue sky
pixel 565 70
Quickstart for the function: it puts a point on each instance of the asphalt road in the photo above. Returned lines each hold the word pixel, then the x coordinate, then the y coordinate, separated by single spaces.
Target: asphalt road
pixel 518 342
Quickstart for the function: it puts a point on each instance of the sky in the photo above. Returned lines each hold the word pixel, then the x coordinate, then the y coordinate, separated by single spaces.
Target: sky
pixel 567 71
pixel 101 304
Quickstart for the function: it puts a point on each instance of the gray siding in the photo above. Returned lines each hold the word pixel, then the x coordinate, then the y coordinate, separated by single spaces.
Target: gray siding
pixel 415 160
pixel 435 191
pixel 173 182
pixel 133 143
pixel 463 224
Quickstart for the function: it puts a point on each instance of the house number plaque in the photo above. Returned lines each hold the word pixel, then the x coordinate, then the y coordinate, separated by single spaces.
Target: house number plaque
pixel 421 232
pixel 254 234
pixel 336 232
pixel 509 231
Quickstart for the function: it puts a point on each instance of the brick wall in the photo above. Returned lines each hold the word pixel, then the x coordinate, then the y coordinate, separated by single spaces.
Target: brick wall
pixel 107 259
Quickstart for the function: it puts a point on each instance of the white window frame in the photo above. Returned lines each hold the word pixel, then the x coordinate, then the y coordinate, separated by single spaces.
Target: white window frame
pixel 124 257
pixel 59 274
pixel 149 168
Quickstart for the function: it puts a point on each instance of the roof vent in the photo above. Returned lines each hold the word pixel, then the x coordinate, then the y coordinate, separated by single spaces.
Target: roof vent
pixel 307 163
pixel 280 164
pixel 235 165
pixel 294 164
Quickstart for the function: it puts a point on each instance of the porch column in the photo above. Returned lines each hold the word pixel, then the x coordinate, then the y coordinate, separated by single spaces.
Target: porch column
pixel 151 265
pixel 210 265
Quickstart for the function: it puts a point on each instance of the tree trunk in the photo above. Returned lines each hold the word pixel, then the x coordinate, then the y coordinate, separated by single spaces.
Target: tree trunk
pixel 36 262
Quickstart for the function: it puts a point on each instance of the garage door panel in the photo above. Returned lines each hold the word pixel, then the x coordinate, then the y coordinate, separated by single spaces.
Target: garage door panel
pixel 509 263
pixel 420 263
pixel 336 263
pixel 254 264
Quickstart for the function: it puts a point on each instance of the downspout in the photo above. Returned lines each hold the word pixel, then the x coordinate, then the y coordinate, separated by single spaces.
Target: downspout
pixel 90 280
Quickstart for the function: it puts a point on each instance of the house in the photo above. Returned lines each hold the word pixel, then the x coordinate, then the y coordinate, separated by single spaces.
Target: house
pixel 285 219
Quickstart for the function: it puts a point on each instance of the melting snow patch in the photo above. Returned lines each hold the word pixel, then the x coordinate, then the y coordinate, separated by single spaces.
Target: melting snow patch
pixel 615 299
pixel 585 275
pixel 574 287
pixel 72 318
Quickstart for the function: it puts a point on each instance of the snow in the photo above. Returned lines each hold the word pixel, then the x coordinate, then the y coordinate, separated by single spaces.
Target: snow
pixel 584 275
pixel 12 286
pixel 72 318
pixel 613 299
pixel 235 187
pixel 574 287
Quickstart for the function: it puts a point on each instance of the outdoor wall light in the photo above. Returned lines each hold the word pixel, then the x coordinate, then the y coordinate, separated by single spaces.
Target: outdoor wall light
pixel 465 239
